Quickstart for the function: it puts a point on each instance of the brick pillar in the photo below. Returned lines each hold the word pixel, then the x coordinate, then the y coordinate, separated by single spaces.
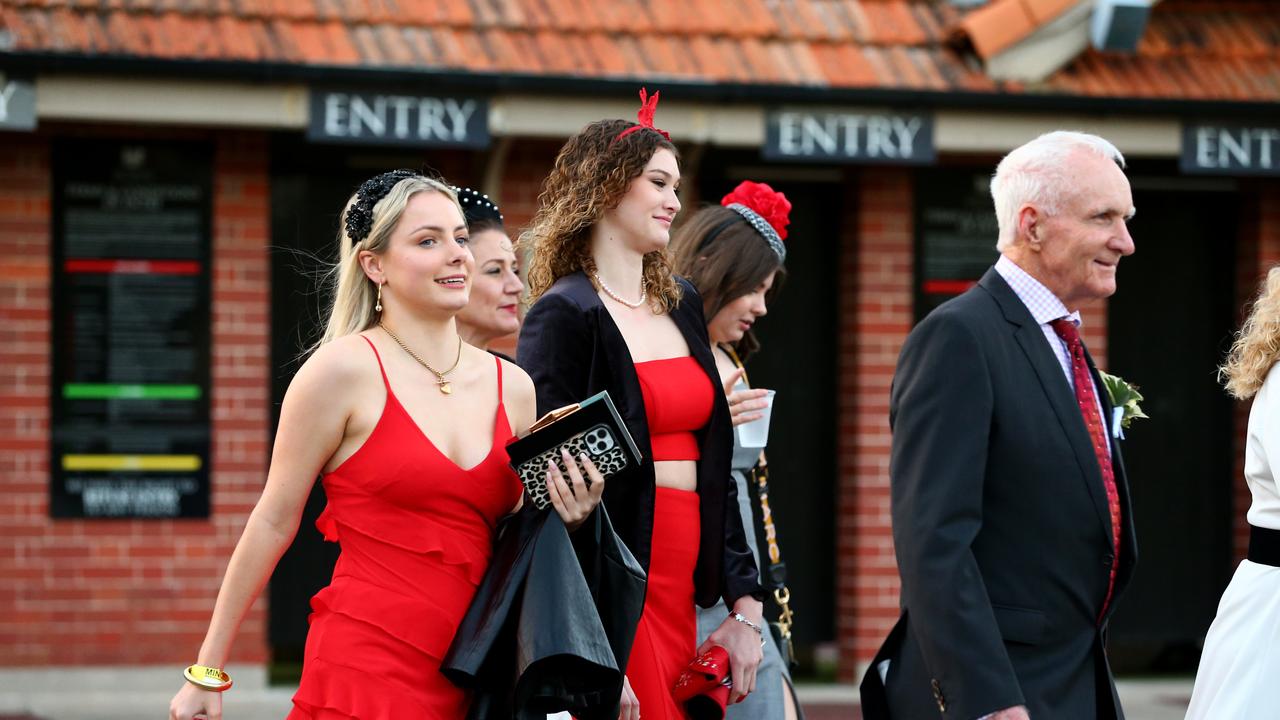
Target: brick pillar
pixel 527 166
pixel 241 396
pixel 875 316
pixel 27 557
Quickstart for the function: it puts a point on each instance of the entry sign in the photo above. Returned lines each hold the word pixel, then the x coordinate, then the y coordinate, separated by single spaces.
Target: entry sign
pixel 1230 149
pixel 850 137
pixel 398 119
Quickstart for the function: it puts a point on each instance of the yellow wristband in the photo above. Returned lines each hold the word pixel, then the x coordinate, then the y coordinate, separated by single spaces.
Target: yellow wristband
pixel 207 678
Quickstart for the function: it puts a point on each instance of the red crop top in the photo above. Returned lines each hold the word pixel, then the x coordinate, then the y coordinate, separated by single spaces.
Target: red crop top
pixel 678 397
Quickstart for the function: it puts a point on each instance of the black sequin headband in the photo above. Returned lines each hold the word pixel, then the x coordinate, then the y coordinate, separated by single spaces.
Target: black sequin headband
pixel 360 214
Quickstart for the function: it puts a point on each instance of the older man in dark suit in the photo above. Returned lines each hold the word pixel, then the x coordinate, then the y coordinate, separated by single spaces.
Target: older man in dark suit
pixel 1011 516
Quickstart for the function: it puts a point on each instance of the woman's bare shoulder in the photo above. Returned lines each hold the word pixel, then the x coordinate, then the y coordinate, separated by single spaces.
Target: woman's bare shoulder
pixel 518 395
pixel 336 366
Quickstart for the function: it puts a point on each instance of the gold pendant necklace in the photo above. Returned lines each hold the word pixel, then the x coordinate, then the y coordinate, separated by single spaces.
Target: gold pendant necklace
pixel 445 386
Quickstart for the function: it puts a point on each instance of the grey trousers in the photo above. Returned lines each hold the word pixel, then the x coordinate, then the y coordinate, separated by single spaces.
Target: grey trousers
pixel 768 701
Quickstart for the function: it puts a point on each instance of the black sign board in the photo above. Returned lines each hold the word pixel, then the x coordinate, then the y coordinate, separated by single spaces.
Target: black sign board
pixel 849 137
pixel 1229 149
pixel 131 330
pixel 956 233
pixel 340 116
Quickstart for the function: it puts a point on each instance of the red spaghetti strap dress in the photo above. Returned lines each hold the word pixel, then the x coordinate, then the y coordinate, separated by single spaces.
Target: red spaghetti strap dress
pixel 416 533
pixel 678 397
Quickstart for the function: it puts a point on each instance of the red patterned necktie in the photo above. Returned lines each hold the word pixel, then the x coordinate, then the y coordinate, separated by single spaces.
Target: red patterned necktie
pixel 1088 403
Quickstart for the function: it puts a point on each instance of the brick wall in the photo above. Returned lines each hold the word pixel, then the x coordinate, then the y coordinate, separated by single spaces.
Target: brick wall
pixel 27 557
pixel 527 165
pixel 876 315
pixel 126 592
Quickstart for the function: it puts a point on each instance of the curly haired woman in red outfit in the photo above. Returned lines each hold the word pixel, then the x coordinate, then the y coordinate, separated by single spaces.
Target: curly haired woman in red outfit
pixel 406 424
pixel 608 314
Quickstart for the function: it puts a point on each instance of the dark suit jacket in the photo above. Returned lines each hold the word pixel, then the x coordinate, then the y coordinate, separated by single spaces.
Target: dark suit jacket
pixel 1000 524
pixel 572 349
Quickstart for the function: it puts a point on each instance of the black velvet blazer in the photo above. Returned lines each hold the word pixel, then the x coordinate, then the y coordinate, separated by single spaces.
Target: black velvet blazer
pixel 572 349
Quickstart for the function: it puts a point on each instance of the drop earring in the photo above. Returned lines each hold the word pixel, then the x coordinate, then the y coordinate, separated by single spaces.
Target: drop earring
pixel 378 305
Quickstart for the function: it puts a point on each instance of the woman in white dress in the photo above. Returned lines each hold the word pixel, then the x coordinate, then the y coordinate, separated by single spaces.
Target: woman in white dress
pixel 1241 660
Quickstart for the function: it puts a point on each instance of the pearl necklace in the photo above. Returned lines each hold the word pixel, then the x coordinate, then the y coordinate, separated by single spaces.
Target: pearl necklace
pixel 644 293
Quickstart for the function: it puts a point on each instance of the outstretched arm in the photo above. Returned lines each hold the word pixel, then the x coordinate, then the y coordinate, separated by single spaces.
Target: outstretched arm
pixel 312 424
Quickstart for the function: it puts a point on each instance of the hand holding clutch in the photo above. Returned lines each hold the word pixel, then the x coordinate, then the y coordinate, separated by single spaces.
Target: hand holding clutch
pixel 704 686
pixel 576 497
pixel 591 428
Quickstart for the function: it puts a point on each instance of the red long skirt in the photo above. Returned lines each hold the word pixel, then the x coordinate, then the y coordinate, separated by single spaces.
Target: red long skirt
pixel 667 636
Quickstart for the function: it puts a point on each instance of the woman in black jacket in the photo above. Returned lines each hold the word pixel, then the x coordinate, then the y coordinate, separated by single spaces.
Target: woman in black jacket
pixel 608 314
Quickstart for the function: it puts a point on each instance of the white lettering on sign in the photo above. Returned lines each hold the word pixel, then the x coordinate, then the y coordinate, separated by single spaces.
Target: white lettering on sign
pixel 1236 148
pixel 866 136
pixel 402 117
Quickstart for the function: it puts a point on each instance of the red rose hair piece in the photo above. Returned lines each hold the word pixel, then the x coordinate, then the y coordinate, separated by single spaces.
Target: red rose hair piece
pixel 768 211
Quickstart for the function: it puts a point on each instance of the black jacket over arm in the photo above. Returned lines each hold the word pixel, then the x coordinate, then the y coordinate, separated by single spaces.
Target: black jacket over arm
pixel 572 349
pixel 1000 524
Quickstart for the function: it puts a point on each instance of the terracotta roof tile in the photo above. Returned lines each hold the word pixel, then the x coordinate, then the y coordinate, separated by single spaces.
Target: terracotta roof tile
pixel 856 23
pixel 926 16
pixel 1045 11
pixel 551 49
pixel 514 51
pixel 802 54
pixel 607 58
pixel 1192 48
pixel 755 20
pixel 881 68
pixel 996 26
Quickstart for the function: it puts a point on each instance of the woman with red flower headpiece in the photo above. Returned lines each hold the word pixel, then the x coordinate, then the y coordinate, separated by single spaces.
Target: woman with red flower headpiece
pixel 609 314
pixel 733 254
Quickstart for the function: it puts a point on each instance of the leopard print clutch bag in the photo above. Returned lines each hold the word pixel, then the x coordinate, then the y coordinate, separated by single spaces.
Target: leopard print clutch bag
pixel 592 427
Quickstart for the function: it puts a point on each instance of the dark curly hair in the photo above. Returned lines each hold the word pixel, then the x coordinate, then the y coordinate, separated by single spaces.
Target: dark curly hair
pixel 591 175
pixel 735 261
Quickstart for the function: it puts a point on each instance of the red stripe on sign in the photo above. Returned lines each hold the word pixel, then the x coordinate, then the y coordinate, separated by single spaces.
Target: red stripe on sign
pixel 947 287
pixel 133 267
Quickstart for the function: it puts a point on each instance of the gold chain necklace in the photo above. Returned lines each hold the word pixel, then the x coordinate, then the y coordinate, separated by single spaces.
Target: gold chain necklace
pixel 445 386
pixel 644 293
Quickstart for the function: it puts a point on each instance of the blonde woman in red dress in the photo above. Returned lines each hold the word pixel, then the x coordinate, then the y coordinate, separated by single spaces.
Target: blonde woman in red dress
pixel 407 425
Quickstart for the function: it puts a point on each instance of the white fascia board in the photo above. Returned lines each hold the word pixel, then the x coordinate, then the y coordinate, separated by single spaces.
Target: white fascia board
pixel 160 101
pixel 688 122
pixel 997 133
pixel 151 101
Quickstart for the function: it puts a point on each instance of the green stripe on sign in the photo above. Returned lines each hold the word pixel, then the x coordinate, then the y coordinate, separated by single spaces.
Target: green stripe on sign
pixel 117 391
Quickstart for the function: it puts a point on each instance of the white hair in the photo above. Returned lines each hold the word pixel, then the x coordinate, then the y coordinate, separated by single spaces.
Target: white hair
pixel 1035 174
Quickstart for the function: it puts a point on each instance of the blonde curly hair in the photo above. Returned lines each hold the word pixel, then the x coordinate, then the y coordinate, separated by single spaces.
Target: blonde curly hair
pixel 591 174
pixel 1257 345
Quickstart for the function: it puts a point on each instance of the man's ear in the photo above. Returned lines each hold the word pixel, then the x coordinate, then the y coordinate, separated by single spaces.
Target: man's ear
pixel 1030 226
pixel 371 263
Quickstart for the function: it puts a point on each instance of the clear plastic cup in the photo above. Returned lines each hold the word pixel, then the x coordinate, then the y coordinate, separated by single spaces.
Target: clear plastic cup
pixel 755 434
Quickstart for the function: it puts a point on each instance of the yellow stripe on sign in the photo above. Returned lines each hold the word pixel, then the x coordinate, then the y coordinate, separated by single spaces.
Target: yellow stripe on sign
pixel 144 463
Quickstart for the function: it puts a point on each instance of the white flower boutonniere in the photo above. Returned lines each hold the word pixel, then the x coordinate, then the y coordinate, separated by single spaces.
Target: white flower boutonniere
pixel 1124 403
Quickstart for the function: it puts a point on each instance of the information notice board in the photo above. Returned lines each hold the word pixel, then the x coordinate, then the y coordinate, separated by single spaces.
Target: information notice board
pixel 131 329
pixel 956 234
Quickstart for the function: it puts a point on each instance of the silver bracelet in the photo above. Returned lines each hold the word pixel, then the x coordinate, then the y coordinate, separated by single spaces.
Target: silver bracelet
pixel 743 619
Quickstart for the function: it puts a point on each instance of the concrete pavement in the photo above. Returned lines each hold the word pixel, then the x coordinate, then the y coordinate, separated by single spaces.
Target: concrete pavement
pixel 143 694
